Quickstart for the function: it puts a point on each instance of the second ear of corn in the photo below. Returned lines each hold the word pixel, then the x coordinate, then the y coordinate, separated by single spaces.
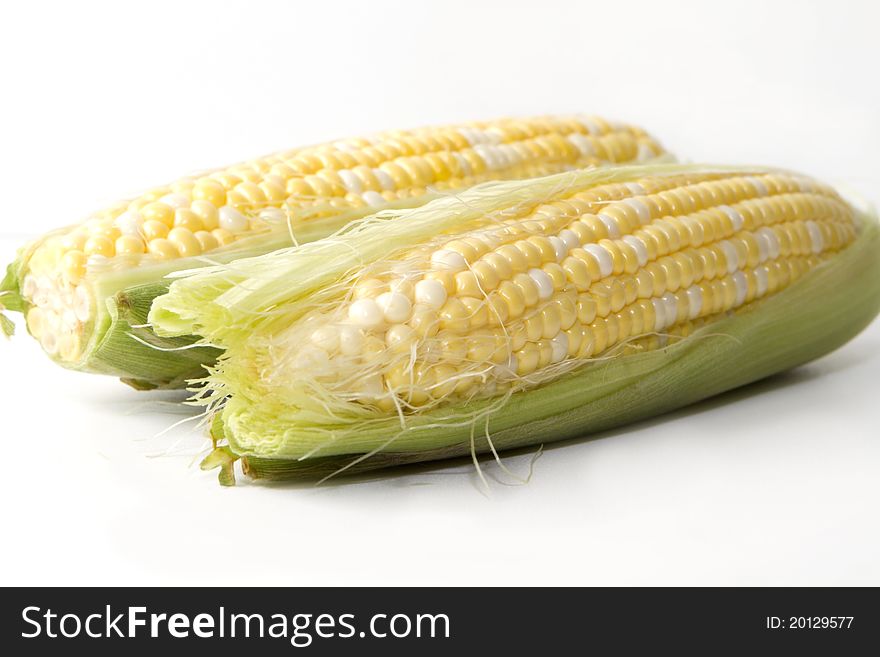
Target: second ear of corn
pixel 86 289
pixel 524 312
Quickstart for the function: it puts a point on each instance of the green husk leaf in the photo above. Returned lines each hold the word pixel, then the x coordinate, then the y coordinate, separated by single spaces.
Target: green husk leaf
pixel 813 316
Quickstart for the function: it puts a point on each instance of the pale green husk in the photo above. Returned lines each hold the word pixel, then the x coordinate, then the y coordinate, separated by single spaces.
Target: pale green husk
pixel 239 306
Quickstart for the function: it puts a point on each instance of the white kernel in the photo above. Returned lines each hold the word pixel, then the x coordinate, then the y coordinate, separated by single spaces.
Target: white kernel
pixel 639 246
pixel 815 236
pixel 49 342
pixel 274 216
pixel 466 168
pixel 82 303
pixel 395 306
pixel 659 313
pixel 370 387
pixel 559 347
pixel 176 200
pixel 513 158
pixel 365 313
pixel 55 302
pixel 469 135
pixel 645 153
pixel 762 281
pixel 636 189
pixel 606 264
pixel 558 247
pixel 490 156
pixel 670 305
pixel 232 220
pixel 729 255
pixel 570 238
pixel 351 340
pixel 695 301
pixel 584 145
pixel 431 293
pixel 129 222
pixel 640 207
pixel 591 126
pixel 69 321
pixel 763 247
pixel 312 360
pixel 772 242
pixel 326 337
pixel 742 287
pixel 351 181
pixel 68 347
pixel 447 259
pixel 759 186
pixel 611 225
pixel 735 217
pixel 373 199
pixel 28 286
pixel 543 282
pixel 507 369
pixel 384 179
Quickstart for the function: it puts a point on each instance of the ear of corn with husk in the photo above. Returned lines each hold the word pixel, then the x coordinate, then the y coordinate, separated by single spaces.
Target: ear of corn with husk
pixel 522 313
pixel 86 289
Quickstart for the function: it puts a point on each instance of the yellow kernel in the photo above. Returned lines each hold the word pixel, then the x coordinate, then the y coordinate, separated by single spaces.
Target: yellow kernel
pixel 500 264
pixel 210 191
pixel 577 270
pixel 648 315
pixel 556 274
pixel 162 248
pixel 599 332
pixel 685 268
pixel 587 308
pixel 273 192
pixel 157 211
pixel 223 236
pixel 424 321
pixel 227 179
pixel 672 273
pixel 207 213
pixel 73 265
pixel 453 349
pixel 454 316
pixel 545 248
pixel 612 326
pixel 99 245
pixel 75 240
pixel 207 241
pixel 129 245
pixel 527 288
pixel 513 296
pixel 186 218
pixel 185 242
pixel 514 257
pixel 154 229
pixel 477 311
pixel 466 284
pixel 551 320
pixel 498 310
pixel 527 359
pixel 486 275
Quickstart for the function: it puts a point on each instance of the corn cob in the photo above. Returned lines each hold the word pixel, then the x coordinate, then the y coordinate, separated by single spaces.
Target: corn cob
pixel 86 288
pixel 522 313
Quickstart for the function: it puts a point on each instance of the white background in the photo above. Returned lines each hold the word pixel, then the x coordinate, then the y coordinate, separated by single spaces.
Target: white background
pixel 774 484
